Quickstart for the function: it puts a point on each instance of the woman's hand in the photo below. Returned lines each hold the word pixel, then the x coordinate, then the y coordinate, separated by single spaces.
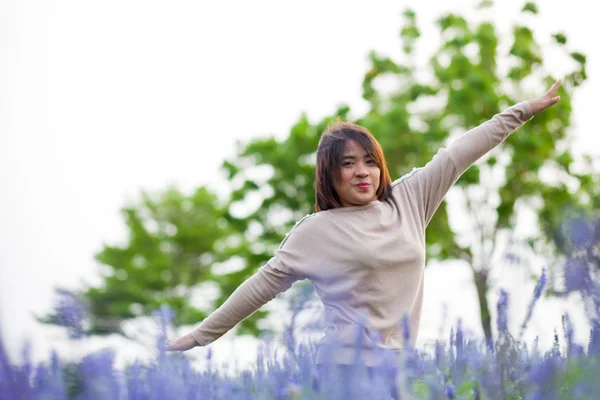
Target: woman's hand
pixel 182 343
pixel 540 104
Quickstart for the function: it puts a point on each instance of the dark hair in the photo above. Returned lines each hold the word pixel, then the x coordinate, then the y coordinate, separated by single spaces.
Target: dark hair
pixel 329 155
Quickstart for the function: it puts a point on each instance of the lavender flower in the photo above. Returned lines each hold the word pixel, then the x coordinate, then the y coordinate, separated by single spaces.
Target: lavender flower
pixel 165 382
pixel 580 232
pixel 14 381
pixel 406 329
pixel 450 392
pixel 539 287
pixel 70 312
pixel 163 315
pixel 576 275
pixel 49 383
pixel 568 332
pixel 510 371
pixel 543 377
pixel 502 319
pixel 537 293
pixel 594 343
pixel 98 378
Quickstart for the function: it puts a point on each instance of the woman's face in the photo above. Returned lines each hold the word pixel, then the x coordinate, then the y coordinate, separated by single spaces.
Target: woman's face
pixel 359 176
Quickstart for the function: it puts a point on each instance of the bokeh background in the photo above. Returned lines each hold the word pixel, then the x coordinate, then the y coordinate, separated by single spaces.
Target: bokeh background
pixel 100 100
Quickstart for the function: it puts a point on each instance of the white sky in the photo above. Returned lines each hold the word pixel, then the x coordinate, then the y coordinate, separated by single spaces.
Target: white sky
pixel 99 99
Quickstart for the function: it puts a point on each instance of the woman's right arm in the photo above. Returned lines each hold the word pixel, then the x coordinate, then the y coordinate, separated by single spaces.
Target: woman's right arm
pixel 276 276
pixel 260 288
pixel 270 280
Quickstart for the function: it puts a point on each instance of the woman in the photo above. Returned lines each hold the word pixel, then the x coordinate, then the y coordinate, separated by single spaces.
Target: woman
pixel 364 247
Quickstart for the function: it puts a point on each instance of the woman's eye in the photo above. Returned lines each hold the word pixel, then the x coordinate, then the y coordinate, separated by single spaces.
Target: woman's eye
pixel 370 161
pixel 347 163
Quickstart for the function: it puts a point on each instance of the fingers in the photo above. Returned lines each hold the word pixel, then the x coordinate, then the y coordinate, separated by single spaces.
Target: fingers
pixel 174 345
pixel 548 102
pixel 183 343
pixel 550 94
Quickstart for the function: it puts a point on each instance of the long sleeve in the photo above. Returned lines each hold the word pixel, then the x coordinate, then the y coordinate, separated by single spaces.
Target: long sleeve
pixel 256 291
pixel 289 264
pixel 432 182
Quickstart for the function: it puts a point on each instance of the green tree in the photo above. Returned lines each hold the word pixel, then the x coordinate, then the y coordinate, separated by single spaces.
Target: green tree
pixel 415 110
pixel 176 247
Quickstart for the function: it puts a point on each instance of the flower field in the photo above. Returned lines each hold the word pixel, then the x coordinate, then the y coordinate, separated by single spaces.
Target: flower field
pixel 459 368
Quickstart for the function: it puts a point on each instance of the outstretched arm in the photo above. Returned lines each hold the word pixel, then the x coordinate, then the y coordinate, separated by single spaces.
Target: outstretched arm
pixel 431 183
pixel 472 145
pixel 297 251
pixel 260 288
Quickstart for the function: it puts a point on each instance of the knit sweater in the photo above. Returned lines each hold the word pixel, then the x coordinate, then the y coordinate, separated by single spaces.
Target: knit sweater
pixel 366 262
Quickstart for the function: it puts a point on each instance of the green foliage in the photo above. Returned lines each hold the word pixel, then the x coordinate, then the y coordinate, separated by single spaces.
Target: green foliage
pixel 409 32
pixel 171 247
pixel 560 38
pixel 530 7
pixel 420 389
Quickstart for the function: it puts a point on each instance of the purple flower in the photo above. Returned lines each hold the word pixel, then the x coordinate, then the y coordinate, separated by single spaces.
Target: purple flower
pixel 49 382
pixel 137 382
pixel 166 383
pixel 70 312
pixel 163 315
pixel 492 374
pixel 580 231
pixel 450 392
pixel 568 332
pixel 439 355
pixel 512 258
pixel 98 378
pixel 576 275
pixel 502 320
pixel 539 287
pixel 14 380
pixel 537 293
pixel 543 377
pixel 594 343
pixel 406 328
pixel 459 338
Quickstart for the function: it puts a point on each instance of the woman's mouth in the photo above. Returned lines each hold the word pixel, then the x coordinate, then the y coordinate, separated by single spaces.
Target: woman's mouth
pixel 363 186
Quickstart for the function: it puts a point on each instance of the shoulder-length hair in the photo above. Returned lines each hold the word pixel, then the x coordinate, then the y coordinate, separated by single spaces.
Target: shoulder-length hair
pixel 329 156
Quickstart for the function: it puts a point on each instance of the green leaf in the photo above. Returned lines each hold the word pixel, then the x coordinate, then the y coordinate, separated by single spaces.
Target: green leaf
pixel 560 38
pixel 579 57
pixel 530 7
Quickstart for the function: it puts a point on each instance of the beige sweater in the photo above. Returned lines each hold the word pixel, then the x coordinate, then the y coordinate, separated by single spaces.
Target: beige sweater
pixel 365 262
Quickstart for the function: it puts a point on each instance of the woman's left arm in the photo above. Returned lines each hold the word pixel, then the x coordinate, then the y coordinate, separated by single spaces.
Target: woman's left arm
pixel 472 145
pixel 432 182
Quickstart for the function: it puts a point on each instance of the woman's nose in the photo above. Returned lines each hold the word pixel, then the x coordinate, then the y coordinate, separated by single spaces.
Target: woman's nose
pixel 362 171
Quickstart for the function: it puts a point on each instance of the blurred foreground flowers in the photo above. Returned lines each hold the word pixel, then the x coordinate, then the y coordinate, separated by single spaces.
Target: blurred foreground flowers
pixel 460 368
